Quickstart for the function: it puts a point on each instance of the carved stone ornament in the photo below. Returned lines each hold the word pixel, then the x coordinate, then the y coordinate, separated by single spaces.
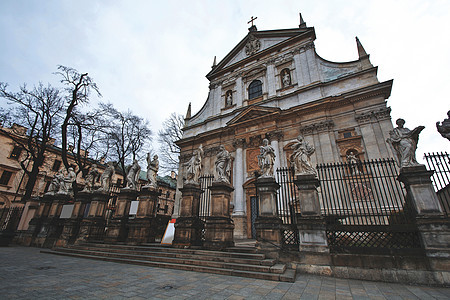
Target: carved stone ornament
pixel 133 172
pixel 266 159
pixel 301 157
pixel 404 143
pixel 223 166
pixel 106 177
pixel 194 167
pixel 444 128
pixel 252 46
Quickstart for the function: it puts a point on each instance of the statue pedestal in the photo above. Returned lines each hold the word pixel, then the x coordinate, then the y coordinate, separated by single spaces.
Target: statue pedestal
pixel 52 225
pixel 92 226
pixel 433 227
pixel 72 225
pixel 34 224
pixel 188 228
pixel 311 225
pixel 219 227
pixel 268 225
pixel 117 228
pixel 142 229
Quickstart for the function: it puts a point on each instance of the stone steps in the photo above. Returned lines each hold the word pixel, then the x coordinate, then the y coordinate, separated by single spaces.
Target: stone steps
pixel 232 263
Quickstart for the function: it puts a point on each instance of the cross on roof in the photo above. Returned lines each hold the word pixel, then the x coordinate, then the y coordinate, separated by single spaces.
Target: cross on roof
pixel 251 20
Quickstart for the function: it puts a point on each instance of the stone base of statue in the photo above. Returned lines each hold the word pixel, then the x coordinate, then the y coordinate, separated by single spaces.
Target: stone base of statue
pixel 52 226
pixel 27 236
pixel 189 227
pixel 268 225
pixel 91 208
pixel 142 229
pixel 219 227
pixel 433 226
pixel 72 224
pixel 117 228
pixel 310 223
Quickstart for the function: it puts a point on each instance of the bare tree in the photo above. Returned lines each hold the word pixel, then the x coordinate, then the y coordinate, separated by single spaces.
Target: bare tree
pixel 36 110
pixel 78 88
pixel 171 132
pixel 129 136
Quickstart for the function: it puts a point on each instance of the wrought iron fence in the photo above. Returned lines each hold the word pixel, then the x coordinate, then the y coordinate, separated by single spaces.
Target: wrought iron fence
pixel 10 218
pixel 205 198
pixel 288 206
pixel 440 164
pixel 365 207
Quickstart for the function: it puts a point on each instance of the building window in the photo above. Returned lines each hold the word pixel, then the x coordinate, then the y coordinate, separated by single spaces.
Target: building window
pixel 56 165
pixel 119 182
pixel 47 185
pixel 347 134
pixel 254 89
pixel 15 154
pixel 167 194
pixel 166 208
pixel 6 176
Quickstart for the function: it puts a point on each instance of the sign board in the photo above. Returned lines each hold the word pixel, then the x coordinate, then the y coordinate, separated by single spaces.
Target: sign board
pixel 169 233
pixel 66 212
pixel 134 207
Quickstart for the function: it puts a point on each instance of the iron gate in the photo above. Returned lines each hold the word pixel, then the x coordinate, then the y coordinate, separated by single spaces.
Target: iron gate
pixel 440 164
pixel 365 208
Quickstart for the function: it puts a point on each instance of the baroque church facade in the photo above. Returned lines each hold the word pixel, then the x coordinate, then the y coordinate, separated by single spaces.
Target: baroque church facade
pixel 274 85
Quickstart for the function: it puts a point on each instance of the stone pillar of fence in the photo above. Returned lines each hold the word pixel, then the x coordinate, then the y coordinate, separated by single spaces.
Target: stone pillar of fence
pixel 91 207
pixel 52 225
pixel 72 224
pixel 268 224
pixel 219 226
pixel 142 229
pixel 35 224
pixel 433 226
pixel 310 223
pixel 117 227
pixel 188 227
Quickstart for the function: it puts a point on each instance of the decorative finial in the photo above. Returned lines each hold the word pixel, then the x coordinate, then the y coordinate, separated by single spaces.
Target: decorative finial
pixel 302 23
pixel 361 52
pixel 253 27
pixel 214 62
pixel 188 113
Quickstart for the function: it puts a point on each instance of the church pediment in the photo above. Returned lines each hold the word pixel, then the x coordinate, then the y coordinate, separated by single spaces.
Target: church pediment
pixel 257 42
pixel 253 113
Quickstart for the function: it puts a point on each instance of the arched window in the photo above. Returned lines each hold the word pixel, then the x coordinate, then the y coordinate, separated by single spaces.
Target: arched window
pixel 254 89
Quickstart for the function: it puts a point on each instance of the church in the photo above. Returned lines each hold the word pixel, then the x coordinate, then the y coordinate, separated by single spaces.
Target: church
pixel 274 85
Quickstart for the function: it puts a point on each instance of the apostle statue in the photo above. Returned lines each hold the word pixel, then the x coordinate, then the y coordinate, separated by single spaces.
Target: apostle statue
pixel 152 170
pixel 106 177
pixel 194 166
pixel 66 186
pixel 91 177
pixel 223 165
pixel 301 157
pixel 57 179
pixel 133 172
pixel 444 129
pixel 266 159
pixel 404 143
pixel 353 162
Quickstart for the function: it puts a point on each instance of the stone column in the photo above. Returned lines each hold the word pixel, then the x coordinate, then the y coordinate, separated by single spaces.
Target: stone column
pixel 268 224
pixel 433 227
pixel 142 229
pixel 92 227
pixel 52 225
pixel 219 227
pixel 117 228
pixel 188 228
pixel 310 223
pixel 239 198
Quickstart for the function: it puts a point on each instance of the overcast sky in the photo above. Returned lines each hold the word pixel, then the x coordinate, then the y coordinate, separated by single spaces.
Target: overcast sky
pixel 152 56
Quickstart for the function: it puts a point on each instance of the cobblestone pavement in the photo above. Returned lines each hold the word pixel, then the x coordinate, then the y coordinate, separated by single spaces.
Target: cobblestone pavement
pixel 25 273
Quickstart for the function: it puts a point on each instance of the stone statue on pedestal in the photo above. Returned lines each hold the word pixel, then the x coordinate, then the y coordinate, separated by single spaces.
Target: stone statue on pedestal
pixel 301 157
pixel 404 143
pixel 353 161
pixel 444 129
pixel 106 177
pixel 223 165
pixel 66 186
pixel 194 166
pixel 133 175
pixel 266 159
pixel 91 178
pixel 152 170
pixel 56 182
